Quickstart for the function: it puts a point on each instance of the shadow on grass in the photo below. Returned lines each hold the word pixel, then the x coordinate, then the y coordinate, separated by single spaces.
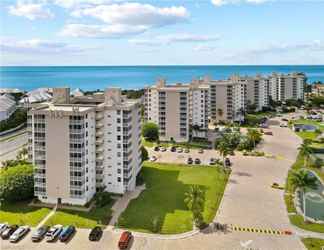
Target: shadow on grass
pixel 164 197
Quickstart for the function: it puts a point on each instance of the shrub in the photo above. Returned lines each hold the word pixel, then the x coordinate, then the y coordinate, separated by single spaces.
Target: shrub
pixel 102 199
pixel 150 131
pixel 17 183
pixel 145 155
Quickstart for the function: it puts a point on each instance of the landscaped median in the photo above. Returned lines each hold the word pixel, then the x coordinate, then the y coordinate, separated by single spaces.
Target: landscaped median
pixel 161 207
pixel 313 243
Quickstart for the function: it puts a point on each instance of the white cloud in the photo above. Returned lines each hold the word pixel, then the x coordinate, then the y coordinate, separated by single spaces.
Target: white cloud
pixel 205 48
pixel 69 4
pixel 135 14
pixel 225 2
pixel 32 46
pixel 101 31
pixel 173 38
pixel 30 10
pixel 123 19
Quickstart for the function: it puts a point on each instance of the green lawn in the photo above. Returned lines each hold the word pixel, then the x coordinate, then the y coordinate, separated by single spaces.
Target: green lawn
pixel 20 213
pixel 97 216
pixel 163 198
pixel 298 221
pixel 309 135
pixel 313 243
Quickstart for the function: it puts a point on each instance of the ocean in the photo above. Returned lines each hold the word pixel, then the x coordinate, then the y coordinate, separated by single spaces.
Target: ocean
pixel 133 77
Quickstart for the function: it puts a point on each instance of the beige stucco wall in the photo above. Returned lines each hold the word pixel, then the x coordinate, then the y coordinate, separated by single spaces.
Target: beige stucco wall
pixel 57 157
pixel 173 115
pixel 221 102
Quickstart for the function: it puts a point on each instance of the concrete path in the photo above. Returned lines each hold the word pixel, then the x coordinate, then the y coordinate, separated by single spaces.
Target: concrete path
pixel 121 204
pixel 50 214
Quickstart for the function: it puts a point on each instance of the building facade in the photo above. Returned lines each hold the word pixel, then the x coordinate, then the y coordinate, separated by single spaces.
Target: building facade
pixel 80 147
pixel 180 110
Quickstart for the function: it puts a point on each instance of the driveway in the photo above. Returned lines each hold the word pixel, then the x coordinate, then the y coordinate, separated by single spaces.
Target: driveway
pixel 249 201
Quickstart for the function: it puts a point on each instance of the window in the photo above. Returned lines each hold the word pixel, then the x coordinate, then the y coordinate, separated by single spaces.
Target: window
pixel 118 137
pixel 119 171
pixel 118 120
pixel 119 179
pixel 118 112
pixel 118 129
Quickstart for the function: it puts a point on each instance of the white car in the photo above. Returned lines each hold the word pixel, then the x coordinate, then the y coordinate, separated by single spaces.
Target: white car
pixel 162 149
pixel 53 233
pixel 19 233
pixel 3 226
pixel 153 158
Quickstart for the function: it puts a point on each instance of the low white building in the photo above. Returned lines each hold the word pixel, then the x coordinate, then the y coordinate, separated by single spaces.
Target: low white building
pixel 37 95
pixel 7 106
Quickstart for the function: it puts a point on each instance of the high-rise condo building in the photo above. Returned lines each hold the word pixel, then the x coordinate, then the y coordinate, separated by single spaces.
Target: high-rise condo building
pixel 177 109
pixel 81 145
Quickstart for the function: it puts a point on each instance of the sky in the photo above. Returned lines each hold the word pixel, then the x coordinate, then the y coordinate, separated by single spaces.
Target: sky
pixel 161 32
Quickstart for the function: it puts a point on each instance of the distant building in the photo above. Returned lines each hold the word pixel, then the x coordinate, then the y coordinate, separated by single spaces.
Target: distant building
pixel 10 91
pixel 318 89
pixel 7 106
pixel 82 144
pixel 77 92
pixel 177 109
pixel 37 95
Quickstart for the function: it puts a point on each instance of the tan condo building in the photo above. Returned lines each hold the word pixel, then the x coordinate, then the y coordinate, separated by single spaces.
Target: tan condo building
pixel 85 143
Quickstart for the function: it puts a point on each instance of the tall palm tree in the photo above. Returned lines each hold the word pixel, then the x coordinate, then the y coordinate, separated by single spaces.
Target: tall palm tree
pixel 302 180
pixel 195 200
pixel 254 135
pixel 224 149
pixel 220 112
pixel 306 151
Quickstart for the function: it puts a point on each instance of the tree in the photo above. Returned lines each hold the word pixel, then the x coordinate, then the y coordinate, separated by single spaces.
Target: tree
pixel 220 112
pixel 17 183
pixel 22 154
pixel 254 135
pixel 302 180
pixel 145 155
pixel 305 150
pixel 224 149
pixel 150 131
pixel 195 200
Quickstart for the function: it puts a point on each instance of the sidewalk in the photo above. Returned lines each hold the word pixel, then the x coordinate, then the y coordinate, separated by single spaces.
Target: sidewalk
pixel 43 221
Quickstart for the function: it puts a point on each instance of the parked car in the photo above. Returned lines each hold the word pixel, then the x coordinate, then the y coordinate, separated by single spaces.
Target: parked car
pixel 9 231
pixel 40 233
pixel 173 149
pixel 212 161
pixel 153 158
pixel 156 148
pixel 264 125
pixel 3 226
pixel 227 162
pixel 66 233
pixel 197 161
pixel 19 233
pixel 124 240
pixel 162 149
pixel 179 150
pixel 187 150
pixel 95 234
pixel 53 233
pixel 189 160
pixel 268 133
pixel 284 119
pixel 283 125
pixel 200 151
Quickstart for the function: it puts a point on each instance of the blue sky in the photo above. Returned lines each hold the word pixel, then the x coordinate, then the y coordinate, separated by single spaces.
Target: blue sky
pixel 159 32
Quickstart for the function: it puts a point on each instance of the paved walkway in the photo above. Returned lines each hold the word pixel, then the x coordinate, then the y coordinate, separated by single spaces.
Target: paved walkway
pixel 122 203
pixel 50 214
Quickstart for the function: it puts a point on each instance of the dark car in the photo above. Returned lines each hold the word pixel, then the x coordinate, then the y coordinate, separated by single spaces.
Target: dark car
pixel 173 149
pixel 197 161
pixel 156 148
pixel 40 233
pixel 124 240
pixel 66 233
pixel 9 231
pixel 95 234
pixel 227 162
pixel 189 160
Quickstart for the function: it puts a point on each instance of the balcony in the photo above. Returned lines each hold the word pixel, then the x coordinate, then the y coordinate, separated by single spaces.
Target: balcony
pixel 99 116
pixel 99 149
pixel 99 125
pixel 99 141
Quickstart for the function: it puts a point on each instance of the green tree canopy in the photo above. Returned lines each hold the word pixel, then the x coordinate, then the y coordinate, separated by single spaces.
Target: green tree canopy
pixel 301 179
pixel 150 131
pixel 17 183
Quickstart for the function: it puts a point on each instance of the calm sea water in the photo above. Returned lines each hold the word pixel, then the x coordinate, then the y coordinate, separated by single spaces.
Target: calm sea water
pixel 126 77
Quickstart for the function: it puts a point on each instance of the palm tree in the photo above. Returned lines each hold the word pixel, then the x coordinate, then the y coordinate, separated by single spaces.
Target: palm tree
pixel 220 112
pixel 254 136
pixel 195 200
pixel 305 150
pixel 224 149
pixel 302 180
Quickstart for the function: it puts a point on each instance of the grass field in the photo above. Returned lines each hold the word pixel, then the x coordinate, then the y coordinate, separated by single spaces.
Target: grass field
pixel 22 214
pixel 97 216
pixel 313 243
pixel 163 198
